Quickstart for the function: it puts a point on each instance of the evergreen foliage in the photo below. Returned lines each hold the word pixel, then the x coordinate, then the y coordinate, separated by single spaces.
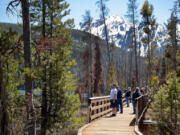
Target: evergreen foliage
pixel 166 107
pixel 132 15
pixel 87 80
pixel 111 77
pixel 87 21
pixel 103 13
pixel 12 102
pixel 98 81
pixel 54 54
pixel 46 66
pixel 149 24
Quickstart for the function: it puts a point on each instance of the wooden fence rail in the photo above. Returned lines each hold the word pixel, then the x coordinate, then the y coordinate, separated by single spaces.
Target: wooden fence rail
pixel 142 105
pixel 99 106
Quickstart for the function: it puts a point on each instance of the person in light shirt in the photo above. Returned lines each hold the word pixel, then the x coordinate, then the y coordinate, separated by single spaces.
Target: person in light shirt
pixel 113 99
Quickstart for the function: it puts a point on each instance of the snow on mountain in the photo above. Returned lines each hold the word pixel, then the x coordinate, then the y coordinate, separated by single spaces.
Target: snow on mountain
pixel 120 32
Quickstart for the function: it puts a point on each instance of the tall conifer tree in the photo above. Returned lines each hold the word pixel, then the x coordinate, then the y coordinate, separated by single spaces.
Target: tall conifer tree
pixel 88 53
pixel 55 59
pixel 98 81
pixel 148 22
pixel 103 13
pixel 132 14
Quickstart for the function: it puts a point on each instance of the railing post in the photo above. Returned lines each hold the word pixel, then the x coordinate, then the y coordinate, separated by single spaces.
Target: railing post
pixel 138 108
pixel 89 110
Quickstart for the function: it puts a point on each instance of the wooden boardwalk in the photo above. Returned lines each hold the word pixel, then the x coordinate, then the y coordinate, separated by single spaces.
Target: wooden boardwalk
pixel 122 124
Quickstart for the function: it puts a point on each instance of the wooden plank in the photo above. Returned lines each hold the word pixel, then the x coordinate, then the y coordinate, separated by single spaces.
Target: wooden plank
pixel 100 114
pixel 119 125
pixel 95 98
pixel 100 106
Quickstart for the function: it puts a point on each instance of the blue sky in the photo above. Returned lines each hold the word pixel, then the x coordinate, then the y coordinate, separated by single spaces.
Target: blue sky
pixel 117 7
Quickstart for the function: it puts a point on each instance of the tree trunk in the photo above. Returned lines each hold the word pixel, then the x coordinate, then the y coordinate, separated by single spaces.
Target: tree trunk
pixel 130 70
pixel 3 108
pixel 43 18
pixel 135 52
pixel 44 91
pixel 91 65
pixel 140 67
pixel 44 105
pixel 135 48
pixel 106 32
pixel 149 59
pixel 174 42
pixel 31 123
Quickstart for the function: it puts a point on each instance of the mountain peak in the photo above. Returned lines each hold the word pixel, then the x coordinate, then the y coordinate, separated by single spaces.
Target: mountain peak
pixel 120 32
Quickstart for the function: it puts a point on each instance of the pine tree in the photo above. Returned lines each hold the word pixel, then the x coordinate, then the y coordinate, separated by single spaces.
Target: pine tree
pixel 98 81
pixel 87 78
pixel 28 65
pixel 172 31
pixel 163 72
pixel 111 77
pixel 58 82
pixel 103 13
pixel 172 42
pixel 88 53
pixel 86 22
pixel 165 110
pixel 9 69
pixel 148 22
pixel 130 65
pixel 132 14
pixel 25 6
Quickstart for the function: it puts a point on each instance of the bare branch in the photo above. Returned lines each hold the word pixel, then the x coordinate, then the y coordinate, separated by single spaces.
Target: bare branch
pixel 12 6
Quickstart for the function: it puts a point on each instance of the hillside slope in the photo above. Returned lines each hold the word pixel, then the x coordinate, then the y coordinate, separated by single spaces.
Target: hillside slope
pixel 121 56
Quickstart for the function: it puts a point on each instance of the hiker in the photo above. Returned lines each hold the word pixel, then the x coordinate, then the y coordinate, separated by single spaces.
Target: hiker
pixel 127 95
pixel 119 100
pixel 142 90
pixel 113 99
pixel 135 95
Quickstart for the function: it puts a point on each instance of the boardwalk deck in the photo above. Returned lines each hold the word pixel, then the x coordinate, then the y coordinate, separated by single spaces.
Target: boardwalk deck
pixel 122 124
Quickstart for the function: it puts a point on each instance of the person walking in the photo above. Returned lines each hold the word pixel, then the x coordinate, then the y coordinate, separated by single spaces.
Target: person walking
pixel 119 100
pixel 127 95
pixel 135 95
pixel 113 99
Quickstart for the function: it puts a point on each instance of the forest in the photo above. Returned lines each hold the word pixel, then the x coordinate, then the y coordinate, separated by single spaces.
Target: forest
pixel 49 67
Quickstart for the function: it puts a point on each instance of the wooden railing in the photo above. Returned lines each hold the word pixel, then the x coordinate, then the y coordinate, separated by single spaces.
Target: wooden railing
pixel 142 105
pixel 99 106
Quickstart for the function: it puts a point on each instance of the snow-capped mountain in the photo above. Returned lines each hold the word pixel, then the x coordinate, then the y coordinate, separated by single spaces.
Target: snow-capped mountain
pixel 120 32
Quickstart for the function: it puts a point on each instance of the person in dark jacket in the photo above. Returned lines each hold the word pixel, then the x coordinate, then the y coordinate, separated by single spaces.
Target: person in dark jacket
pixel 135 95
pixel 119 100
pixel 127 95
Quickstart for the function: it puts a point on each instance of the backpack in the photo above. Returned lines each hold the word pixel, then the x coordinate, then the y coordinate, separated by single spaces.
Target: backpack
pixel 119 94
